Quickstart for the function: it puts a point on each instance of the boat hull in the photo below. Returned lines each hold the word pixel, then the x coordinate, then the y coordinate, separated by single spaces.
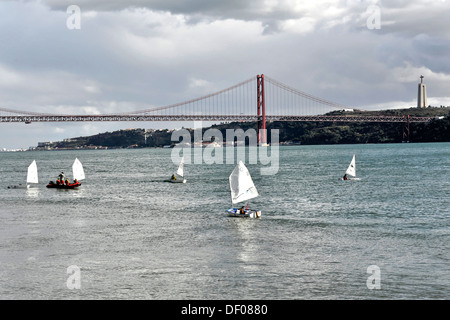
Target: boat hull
pixel 177 181
pixel 20 186
pixel 64 186
pixel 234 212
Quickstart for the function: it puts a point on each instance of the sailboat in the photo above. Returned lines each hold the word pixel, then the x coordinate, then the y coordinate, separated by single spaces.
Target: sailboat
pixel 32 174
pixel 77 170
pixel 351 170
pixel 78 174
pixel 242 189
pixel 32 177
pixel 178 177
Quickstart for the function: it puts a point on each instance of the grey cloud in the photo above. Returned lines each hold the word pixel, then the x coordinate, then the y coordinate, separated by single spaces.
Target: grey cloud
pixel 212 7
pixel 405 17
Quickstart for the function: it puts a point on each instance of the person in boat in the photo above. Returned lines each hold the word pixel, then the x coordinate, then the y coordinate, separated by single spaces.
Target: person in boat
pixel 241 210
pixel 173 177
pixel 75 181
pixel 67 182
pixel 58 181
pixel 61 177
pixel 345 177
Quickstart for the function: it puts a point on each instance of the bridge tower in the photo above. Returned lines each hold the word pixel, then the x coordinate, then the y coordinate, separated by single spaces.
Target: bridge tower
pixel 261 105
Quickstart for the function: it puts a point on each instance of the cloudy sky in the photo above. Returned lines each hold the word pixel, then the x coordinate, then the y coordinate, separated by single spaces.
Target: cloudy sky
pixel 133 55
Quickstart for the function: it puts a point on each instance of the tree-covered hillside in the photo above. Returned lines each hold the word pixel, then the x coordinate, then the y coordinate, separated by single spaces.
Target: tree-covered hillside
pixel 437 130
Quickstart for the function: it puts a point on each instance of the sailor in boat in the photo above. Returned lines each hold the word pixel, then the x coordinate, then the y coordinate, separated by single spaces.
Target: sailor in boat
pixel 345 177
pixel 241 210
pixel 173 177
pixel 61 178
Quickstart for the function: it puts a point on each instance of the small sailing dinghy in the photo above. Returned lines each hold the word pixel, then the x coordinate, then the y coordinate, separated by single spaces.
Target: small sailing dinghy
pixel 32 177
pixel 242 189
pixel 351 170
pixel 77 170
pixel 78 174
pixel 32 174
pixel 178 177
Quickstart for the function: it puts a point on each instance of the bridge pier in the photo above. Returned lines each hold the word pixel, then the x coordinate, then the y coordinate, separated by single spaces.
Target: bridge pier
pixel 261 107
pixel 406 131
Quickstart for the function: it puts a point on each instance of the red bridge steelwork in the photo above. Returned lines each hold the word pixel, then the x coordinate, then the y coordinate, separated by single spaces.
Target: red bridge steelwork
pixel 274 101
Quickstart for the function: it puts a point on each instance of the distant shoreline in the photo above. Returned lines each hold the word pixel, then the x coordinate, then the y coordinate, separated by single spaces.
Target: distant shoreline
pixel 280 145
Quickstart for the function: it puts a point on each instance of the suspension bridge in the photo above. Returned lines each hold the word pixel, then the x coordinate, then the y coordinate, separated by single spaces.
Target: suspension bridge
pixel 258 99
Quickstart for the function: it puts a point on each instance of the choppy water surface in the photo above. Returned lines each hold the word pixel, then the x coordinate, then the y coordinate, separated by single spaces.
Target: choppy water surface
pixel 134 236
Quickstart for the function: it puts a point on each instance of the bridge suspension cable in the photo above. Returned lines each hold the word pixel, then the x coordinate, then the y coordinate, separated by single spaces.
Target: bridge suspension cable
pixel 235 100
pixel 282 99
pixel 240 99
pixel 235 103
pixel 11 112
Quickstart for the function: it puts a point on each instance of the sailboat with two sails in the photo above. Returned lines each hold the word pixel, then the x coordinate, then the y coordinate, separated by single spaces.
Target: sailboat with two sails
pixel 242 189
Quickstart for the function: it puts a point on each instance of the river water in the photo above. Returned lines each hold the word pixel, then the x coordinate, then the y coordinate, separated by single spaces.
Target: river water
pixel 127 234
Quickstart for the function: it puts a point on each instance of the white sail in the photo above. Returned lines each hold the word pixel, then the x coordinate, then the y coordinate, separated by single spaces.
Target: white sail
pixel 77 170
pixel 351 170
pixel 180 170
pixel 241 184
pixel 32 175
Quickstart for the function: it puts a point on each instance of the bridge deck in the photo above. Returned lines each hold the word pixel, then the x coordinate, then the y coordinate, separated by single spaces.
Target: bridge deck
pixel 121 117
